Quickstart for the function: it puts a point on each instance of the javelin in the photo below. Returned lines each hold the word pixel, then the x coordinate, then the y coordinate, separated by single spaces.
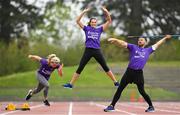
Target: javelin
pixel 156 36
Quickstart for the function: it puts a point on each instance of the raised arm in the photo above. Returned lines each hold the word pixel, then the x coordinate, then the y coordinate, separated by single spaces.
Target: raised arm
pixel 118 42
pixel 160 42
pixel 78 20
pixel 108 18
pixel 34 57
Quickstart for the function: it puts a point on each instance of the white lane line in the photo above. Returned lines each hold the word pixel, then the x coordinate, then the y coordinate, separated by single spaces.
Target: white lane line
pixel 103 106
pixel 70 108
pixel 138 106
pixel 10 112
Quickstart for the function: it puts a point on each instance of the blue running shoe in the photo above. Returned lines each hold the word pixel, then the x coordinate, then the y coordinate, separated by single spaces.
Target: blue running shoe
pixel 68 85
pixel 150 109
pixel 109 108
pixel 116 84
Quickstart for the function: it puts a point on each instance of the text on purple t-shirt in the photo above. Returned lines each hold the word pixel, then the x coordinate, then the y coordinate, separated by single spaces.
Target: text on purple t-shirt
pixel 93 36
pixel 138 56
pixel 46 70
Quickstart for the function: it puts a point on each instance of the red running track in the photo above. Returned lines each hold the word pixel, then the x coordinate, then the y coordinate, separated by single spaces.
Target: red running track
pixel 93 108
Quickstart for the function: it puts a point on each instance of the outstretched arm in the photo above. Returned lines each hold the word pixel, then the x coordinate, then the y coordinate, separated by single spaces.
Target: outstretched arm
pixel 34 57
pixel 78 20
pixel 118 42
pixel 160 42
pixel 108 18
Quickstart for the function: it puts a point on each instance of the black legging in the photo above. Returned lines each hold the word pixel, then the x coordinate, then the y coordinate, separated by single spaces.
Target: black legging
pixel 88 54
pixel 126 80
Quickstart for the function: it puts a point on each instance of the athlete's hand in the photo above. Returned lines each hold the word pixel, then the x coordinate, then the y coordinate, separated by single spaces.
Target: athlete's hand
pixel 86 10
pixel 111 40
pixel 29 56
pixel 168 36
pixel 104 9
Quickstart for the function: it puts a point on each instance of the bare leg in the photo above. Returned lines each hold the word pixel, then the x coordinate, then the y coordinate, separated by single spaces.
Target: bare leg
pixel 74 78
pixel 111 75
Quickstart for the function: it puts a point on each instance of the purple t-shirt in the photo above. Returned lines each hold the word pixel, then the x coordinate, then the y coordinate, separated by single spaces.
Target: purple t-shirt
pixel 138 56
pixel 93 36
pixel 46 70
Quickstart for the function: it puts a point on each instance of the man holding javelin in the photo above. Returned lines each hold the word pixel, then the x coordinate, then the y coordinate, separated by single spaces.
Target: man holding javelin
pixel 134 73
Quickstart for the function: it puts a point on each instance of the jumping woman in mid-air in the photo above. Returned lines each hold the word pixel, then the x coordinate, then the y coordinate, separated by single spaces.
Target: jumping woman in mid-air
pixel 92 44
pixel 43 74
pixel 134 73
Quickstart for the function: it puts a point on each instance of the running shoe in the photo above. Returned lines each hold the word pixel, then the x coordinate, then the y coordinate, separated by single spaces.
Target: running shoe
pixel 109 108
pixel 46 103
pixel 150 109
pixel 29 95
pixel 116 84
pixel 68 85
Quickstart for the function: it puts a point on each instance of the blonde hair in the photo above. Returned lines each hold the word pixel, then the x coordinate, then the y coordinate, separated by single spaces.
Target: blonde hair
pixel 51 56
pixel 55 59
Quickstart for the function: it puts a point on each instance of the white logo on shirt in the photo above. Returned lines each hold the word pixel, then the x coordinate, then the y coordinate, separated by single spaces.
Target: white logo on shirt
pixel 45 71
pixel 93 35
pixel 139 54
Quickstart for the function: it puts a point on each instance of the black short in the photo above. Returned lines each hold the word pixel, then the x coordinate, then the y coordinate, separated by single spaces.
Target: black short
pixel 133 76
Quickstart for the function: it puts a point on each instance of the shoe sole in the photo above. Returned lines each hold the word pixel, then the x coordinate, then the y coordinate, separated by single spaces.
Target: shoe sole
pixel 109 110
pixel 47 105
pixel 150 111
pixel 67 87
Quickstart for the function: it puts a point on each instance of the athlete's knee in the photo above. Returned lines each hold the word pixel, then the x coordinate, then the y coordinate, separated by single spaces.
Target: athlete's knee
pixel 36 90
pixel 47 86
pixel 46 89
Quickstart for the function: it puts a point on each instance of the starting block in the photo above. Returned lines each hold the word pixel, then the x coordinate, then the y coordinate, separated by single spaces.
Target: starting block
pixel 12 107
pixel 25 106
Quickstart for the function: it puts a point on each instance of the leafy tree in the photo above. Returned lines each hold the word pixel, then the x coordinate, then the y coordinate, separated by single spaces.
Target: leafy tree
pixel 14 15
pixel 137 17
pixel 53 26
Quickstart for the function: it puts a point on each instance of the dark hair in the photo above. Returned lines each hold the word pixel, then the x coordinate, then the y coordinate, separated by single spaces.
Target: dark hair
pixel 90 21
pixel 144 38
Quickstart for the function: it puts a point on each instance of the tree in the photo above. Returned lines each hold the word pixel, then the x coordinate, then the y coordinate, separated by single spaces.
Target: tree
pixel 137 17
pixel 14 15
pixel 58 25
pixel 52 27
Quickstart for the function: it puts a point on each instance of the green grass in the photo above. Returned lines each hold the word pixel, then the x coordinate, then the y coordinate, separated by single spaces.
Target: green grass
pixel 92 85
